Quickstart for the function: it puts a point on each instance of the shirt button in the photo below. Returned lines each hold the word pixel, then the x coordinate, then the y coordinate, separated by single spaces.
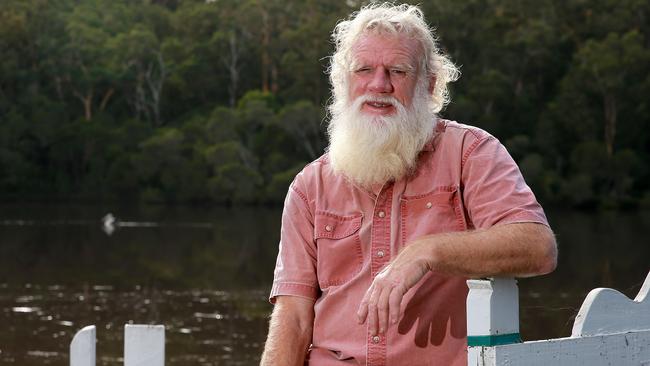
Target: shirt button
pixel 328 228
pixel 429 204
pixel 376 339
pixel 381 214
pixel 380 253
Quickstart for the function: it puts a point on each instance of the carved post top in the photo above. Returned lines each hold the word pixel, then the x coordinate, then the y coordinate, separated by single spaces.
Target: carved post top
pixel 82 347
pixel 492 312
pixel 607 311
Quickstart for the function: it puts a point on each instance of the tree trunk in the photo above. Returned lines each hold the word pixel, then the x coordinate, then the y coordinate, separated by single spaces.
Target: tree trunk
pixel 59 88
pixel 107 96
pixel 232 64
pixel 609 102
pixel 87 101
pixel 274 78
pixel 155 78
pixel 266 58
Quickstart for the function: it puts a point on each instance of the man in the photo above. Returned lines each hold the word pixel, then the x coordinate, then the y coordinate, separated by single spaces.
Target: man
pixel 380 234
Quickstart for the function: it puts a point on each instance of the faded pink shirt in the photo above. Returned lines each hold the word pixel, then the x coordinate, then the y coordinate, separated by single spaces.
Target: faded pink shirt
pixel 336 237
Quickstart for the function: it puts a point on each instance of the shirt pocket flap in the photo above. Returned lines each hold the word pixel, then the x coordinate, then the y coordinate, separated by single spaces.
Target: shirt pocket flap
pixel 333 226
pixel 425 202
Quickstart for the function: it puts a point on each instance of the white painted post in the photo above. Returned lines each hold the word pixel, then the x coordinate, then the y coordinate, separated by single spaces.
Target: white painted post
pixel 82 347
pixel 492 315
pixel 144 345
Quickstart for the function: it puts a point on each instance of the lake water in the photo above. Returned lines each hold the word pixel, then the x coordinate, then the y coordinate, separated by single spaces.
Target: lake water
pixel 205 274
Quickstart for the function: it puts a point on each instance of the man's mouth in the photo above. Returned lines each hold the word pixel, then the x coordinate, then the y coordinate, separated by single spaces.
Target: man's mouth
pixel 379 104
pixel 376 107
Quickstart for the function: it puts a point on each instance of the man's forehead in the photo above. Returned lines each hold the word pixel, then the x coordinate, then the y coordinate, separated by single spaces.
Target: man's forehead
pixel 395 48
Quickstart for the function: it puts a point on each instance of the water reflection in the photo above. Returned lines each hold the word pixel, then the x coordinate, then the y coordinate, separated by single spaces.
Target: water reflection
pixel 201 325
pixel 608 249
pixel 208 283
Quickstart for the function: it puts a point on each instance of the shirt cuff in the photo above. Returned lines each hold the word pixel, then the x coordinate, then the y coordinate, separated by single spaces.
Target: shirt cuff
pixel 525 217
pixel 292 289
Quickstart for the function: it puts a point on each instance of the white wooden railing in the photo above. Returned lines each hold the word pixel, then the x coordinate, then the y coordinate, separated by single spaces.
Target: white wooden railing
pixel 610 329
pixel 144 345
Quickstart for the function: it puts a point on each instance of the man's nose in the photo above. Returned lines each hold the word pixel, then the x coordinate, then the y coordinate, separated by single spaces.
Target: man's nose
pixel 380 82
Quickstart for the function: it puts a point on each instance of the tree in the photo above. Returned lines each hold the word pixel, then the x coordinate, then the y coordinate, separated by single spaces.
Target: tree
pixel 304 122
pixel 606 68
pixel 85 62
pixel 138 52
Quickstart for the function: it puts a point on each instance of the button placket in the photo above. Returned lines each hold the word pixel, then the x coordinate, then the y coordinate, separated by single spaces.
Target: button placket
pixel 379 257
pixel 376 350
pixel 381 230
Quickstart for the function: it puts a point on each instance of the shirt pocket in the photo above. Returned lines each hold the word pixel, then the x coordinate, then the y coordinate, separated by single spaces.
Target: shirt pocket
pixel 439 211
pixel 338 246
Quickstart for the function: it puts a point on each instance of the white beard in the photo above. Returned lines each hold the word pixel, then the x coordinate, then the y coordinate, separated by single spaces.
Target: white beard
pixel 371 150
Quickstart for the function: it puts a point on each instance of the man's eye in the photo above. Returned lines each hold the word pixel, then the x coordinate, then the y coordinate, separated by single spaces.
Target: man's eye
pixel 362 70
pixel 398 72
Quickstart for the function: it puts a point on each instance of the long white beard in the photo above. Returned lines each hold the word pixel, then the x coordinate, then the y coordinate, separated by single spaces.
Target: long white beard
pixel 376 149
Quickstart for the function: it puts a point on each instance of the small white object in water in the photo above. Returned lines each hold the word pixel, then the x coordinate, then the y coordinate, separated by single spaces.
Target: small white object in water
pixel 25 309
pixel 108 223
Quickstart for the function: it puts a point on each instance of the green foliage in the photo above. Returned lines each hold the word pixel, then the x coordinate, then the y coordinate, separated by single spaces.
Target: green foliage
pixel 234 183
pixel 222 101
pixel 279 184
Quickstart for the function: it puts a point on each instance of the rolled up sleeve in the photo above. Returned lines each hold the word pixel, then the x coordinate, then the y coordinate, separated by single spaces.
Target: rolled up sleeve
pixel 494 190
pixel 295 269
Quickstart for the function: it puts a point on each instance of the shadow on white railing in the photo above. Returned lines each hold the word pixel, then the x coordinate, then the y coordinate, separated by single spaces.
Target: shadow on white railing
pixel 144 345
pixel 610 329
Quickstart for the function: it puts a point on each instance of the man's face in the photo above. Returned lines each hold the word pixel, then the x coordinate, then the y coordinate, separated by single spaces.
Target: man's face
pixel 378 132
pixel 384 66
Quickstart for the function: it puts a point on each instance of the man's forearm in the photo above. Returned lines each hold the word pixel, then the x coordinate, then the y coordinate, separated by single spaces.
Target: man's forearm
pixel 290 333
pixel 519 250
pixel 522 249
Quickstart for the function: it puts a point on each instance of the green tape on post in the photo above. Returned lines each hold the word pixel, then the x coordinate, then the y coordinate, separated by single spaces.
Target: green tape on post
pixel 493 340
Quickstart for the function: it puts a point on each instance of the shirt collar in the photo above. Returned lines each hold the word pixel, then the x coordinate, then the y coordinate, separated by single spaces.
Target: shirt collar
pixel 440 127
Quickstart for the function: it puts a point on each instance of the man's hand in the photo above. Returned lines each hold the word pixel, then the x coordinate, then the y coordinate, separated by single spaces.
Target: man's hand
pixel 382 301
pixel 520 249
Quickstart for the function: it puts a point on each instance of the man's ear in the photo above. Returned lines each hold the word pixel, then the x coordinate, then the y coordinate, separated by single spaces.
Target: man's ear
pixel 432 83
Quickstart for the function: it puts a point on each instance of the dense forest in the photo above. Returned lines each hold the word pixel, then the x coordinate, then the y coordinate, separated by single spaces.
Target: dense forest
pixel 222 101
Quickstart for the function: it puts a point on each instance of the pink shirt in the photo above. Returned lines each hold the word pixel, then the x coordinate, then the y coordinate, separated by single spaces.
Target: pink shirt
pixel 336 237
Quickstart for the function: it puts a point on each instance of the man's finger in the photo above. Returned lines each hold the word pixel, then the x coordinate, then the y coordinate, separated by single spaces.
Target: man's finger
pixel 362 311
pixel 372 319
pixel 372 308
pixel 382 309
pixel 394 302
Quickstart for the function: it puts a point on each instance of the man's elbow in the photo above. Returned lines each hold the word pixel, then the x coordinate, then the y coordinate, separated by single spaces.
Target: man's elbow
pixel 296 314
pixel 547 257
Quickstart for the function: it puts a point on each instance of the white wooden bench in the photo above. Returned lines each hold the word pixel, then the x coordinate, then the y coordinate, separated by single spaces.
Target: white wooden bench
pixel 610 329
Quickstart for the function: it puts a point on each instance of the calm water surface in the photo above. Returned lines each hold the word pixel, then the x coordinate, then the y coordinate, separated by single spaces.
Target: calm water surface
pixel 206 273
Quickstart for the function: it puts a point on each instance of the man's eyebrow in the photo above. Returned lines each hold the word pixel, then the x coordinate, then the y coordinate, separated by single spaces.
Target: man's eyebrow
pixel 356 64
pixel 403 66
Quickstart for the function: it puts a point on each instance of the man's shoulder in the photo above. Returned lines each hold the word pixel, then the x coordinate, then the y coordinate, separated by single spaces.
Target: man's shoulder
pixel 454 129
pixel 316 167
pixel 314 173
